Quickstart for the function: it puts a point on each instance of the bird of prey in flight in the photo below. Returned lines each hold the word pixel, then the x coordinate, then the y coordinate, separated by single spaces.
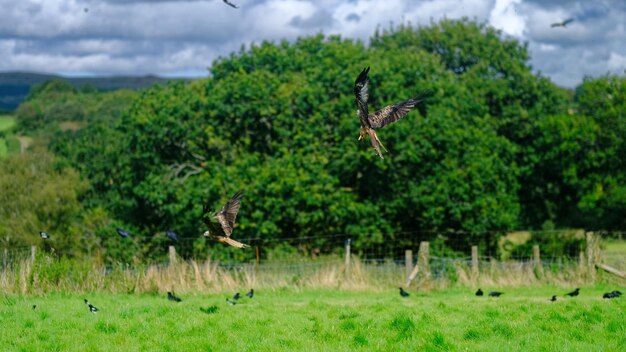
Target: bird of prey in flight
pixel 562 24
pixel 223 228
pixel 230 4
pixel 382 117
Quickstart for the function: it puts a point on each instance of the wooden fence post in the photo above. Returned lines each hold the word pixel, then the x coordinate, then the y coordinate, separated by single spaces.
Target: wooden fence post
pixel 537 268
pixel 592 253
pixel 423 258
pixel 474 262
pixel 33 253
pixel 347 257
pixel 408 261
pixel 581 262
pixel 172 253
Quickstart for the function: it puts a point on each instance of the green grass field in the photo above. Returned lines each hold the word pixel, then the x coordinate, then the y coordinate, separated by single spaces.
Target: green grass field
pixel 6 122
pixel 319 320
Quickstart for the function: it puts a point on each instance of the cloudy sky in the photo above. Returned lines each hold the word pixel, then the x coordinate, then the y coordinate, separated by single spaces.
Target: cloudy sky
pixel 183 37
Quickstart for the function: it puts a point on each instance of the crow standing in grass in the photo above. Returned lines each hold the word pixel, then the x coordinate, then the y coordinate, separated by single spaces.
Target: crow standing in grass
pixel 92 309
pixel 250 293
pixel 44 235
pixel 171 297
pixel 403 293
pixel 236 296
pixel 573 293
pixel 122 232
pixel 612 294
pixel 479 292
pixel 495 294
pixel 382 117
pixel 223 228
pixel 553 299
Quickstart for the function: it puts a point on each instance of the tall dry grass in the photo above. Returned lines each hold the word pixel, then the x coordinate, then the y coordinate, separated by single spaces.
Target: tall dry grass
pixel 52 274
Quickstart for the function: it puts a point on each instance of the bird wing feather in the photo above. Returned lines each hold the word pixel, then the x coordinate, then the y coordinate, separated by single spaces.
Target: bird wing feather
pixel 361 92
pixel 228 213
pixel 394 112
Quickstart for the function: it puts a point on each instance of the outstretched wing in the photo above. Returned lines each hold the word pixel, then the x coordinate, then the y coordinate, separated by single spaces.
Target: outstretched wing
pixel 556 24
pixel 228 214
pixel 361 92
pixel 230 4
pixel 567 21
pixel 395 112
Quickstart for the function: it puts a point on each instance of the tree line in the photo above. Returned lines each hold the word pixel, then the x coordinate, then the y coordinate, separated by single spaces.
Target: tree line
pixel 497 147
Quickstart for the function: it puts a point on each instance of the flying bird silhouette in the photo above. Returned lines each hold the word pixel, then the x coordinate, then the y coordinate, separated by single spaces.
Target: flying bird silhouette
pixel 171 297
pixel 563 23
pixel 403 293
pixel 44 235
pixel 553 299
pixel 223 228
pixel 122 232
pixel 250 293
pixel 172 235
pixel 573 293
pixel 383 117
pixel 479 292
pixel 92 309
pixel 495 294
pixel 230 4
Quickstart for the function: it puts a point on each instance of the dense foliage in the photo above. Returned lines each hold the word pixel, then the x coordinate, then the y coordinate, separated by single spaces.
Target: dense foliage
pixel 496 147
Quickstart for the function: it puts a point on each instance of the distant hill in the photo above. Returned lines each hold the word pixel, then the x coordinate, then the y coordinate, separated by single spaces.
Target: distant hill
pixel 14 86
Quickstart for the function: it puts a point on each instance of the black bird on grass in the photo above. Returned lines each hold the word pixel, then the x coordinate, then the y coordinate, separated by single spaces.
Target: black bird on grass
pixel 573 293
pixel 250 293
pixel 553 299
pixel 479 292
pixel 172 235
pixel 403 293
pixel 171 297
pixel 209 310
pixel 92 309
pixel 230 4
pixel 122 232
pixel 44 235
pixel 236 296
pixel 495 294
pixel 612 294
pixel 231 302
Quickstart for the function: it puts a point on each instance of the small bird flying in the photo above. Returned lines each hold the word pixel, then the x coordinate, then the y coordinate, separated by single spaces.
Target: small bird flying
pixel 230 4
pixel 403 293
pixel 172 235
pixel 250 293
pixel 553 299
pixel 171 297
pixel 382 117
pixel 122 232
pixel 44 235
pixel 495 294
pixel 573 293
pixel 479 292
pixel 92 309
pixel 563 23
pixel 223 228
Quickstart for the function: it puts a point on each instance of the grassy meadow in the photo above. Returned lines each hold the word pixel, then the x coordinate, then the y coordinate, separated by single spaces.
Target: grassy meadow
pixel 6 123
pixel 318 320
